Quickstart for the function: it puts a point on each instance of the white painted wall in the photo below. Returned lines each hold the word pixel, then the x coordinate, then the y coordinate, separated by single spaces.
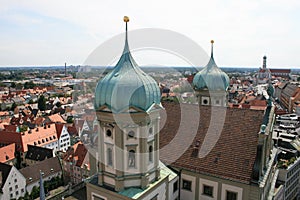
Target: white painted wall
pixel 15 183
pixel 226 187
pixel 173 195
pixel 64 140
pixel 213 184
pixel 186 194
pixel 159 191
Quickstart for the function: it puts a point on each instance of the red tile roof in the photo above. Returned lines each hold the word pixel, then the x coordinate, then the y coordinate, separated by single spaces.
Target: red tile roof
pixel 7 153
pixel 56 118
pixel 77 152
pixel 38 137
pixel 233 155
pixel 72 130
pixel 287 71
pixel 59 128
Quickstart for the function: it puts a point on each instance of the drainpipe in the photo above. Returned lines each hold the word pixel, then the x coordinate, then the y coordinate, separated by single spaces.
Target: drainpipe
pixel 179 184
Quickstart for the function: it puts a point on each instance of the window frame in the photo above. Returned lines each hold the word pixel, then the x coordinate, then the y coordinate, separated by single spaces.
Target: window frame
pixel 204 192
pixel 233 193
pixel 190 185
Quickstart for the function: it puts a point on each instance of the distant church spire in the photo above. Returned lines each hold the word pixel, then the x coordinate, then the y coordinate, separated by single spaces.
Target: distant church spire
pixel 265 62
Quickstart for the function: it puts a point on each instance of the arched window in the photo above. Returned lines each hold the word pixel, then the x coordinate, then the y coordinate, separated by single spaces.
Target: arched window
pixel 150 153
pixel 108 133
pixel 109 157
pixel 131 134
pixel 39 142
pixel 131 158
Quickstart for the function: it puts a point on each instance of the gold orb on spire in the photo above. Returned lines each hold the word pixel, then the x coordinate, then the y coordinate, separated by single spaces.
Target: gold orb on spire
pixel 126 19
pixel 212 41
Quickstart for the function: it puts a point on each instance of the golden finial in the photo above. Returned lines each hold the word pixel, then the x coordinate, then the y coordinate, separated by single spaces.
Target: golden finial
pixel 212 41
pixel 126 19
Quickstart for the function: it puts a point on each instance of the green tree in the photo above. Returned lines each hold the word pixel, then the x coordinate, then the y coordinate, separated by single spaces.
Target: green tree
pixel 29 85
pixel 13 106
pixel 2 84
pixel 42 103
pixel 35 192
pixel 58 104
pixel 13 85
pixel 23 128
pixel 70 119
pixel 19 86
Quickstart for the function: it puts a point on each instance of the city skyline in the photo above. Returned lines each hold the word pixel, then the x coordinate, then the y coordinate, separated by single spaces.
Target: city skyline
pixel 45 33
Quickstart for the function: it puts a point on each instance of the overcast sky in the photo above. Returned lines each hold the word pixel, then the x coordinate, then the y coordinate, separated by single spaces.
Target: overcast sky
pixel 35 32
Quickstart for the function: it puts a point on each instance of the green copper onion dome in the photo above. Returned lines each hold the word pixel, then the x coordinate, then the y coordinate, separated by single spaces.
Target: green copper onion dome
pixel 211 77
pixel 127 86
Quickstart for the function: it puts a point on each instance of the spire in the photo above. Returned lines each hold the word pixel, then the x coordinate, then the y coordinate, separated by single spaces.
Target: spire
pixel 212 48
pixel 126 47
pixel 42 191
pixel 265 62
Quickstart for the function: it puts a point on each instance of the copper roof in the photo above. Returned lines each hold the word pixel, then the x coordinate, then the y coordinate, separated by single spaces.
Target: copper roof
pixel 233 155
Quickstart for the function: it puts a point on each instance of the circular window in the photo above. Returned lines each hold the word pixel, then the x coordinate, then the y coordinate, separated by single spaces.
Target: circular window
pixel 205 101
pixel 131 134
pixel 108 133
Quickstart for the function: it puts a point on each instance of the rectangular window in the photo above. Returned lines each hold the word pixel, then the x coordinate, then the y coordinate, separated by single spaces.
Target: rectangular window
pixel 231 195
pixel 208 190
pixel 187 185
pixel 97 198
pixel 175 186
